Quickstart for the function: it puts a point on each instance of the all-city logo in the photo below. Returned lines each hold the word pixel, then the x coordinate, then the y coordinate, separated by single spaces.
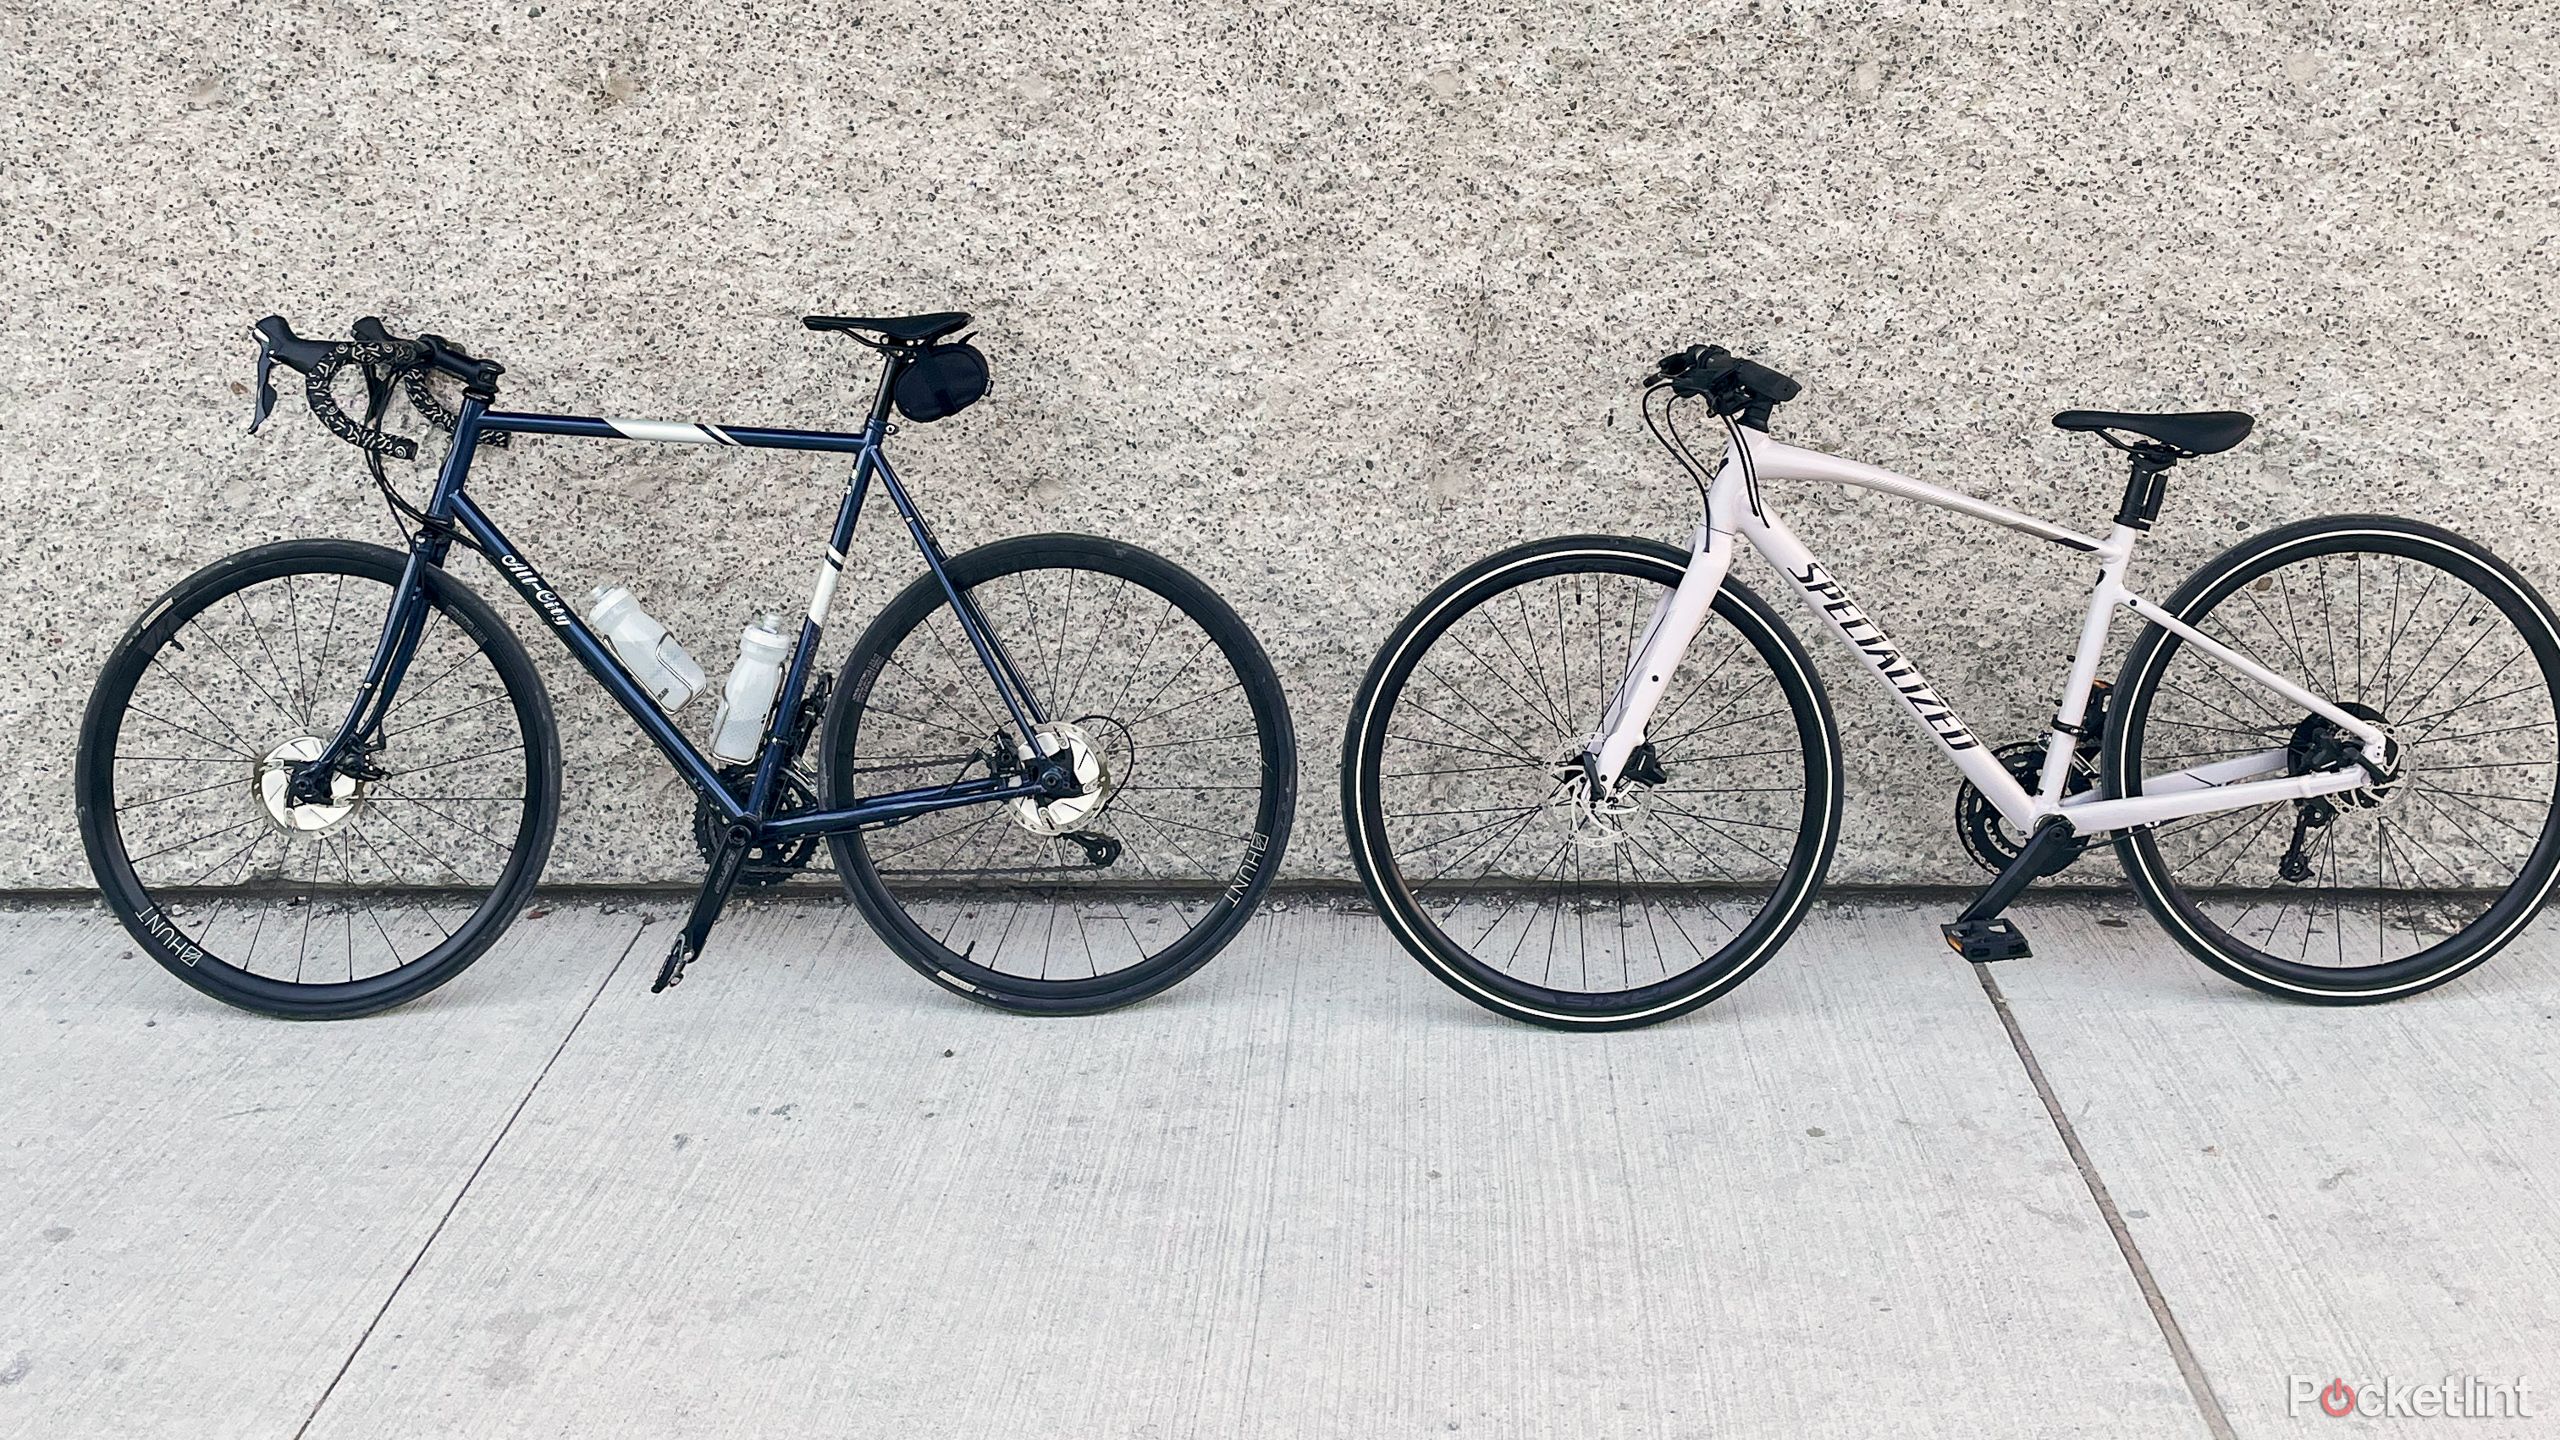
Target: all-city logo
pixel 536 589
pixel 2455 1397
pixel 1880 652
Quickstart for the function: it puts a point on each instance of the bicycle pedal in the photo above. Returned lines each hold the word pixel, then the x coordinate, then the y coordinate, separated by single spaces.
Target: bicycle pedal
pixel 1983 941
pixel 678 957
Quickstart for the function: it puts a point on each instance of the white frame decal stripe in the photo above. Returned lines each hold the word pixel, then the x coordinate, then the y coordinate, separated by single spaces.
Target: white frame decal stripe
pixel 669 432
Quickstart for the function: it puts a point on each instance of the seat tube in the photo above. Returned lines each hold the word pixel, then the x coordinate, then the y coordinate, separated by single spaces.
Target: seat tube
pixel 2071 716
pixel 795 681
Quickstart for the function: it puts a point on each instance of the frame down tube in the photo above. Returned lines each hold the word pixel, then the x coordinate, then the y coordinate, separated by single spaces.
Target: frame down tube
pixel 597 659
pixel 450 502
pixel 1734 506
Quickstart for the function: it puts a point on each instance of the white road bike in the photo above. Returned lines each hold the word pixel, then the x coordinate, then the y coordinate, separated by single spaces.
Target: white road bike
pixel 1594 782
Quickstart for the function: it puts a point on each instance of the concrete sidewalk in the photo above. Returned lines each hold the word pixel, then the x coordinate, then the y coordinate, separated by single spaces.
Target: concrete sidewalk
pixel 1307 1193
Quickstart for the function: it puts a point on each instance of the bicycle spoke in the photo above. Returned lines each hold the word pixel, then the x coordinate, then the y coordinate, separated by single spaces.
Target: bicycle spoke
pixel 2418 861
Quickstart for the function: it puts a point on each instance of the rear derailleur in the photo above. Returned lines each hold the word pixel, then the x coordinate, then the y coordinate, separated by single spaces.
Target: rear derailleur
pixel 2317 748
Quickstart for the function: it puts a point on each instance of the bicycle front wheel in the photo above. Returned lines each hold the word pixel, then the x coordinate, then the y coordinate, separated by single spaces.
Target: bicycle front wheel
pixel 398 880
pixel 1171 713
pixel 1465 799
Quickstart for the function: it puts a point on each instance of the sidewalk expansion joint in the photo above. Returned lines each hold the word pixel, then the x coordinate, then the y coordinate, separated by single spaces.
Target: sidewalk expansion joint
pixel 442 1220
pixel 2217 1423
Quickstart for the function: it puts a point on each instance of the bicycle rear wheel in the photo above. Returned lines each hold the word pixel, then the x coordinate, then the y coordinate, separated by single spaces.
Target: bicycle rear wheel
pixel 1172 711
pixel 2377 892
pixel 1464 795
pixel 316 911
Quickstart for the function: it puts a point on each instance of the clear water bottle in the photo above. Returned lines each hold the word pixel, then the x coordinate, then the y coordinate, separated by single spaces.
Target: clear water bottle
pixel 644 647
pixel 737 730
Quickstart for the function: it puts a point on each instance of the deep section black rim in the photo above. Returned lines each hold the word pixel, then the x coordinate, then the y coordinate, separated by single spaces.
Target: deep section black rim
pixel 1163 683
pixel 2392 888
pixel 1464 779
pixel 224 677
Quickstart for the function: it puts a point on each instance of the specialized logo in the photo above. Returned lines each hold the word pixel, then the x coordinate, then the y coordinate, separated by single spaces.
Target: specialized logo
pixel 1878 648
pixel 536 589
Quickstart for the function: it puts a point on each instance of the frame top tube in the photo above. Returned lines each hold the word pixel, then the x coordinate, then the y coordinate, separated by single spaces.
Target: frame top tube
pixel 1770 459
pixel 681 432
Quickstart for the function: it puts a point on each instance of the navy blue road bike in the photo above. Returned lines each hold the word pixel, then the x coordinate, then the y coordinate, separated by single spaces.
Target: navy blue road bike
pixel 319 778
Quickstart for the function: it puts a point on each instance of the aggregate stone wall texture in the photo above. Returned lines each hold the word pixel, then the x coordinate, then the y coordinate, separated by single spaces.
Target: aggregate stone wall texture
pixel 1323 301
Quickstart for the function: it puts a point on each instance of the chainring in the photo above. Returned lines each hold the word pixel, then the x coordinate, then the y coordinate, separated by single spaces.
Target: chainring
pixel 769 862
pixel 1980 826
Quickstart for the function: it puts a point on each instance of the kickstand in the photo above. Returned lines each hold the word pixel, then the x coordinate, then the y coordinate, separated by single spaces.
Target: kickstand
pixel 707 905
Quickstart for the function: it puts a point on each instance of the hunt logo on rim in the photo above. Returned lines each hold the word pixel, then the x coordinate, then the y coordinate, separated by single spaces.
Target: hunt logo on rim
pixel 1254 850
pixel 185 951
pixel 1878 647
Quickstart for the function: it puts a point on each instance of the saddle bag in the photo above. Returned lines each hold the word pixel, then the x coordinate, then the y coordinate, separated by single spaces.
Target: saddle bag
pixel 943 381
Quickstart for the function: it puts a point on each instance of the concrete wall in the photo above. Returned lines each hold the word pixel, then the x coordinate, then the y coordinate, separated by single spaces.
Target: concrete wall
pixel 1321 300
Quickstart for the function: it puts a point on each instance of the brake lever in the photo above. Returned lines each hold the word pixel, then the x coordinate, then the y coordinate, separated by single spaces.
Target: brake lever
pixel 265 404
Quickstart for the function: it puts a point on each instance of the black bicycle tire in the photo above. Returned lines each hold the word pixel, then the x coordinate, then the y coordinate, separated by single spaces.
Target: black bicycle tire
pixel 1364 741
pixel 2137 851
pixel 1269 704
pixel 126 897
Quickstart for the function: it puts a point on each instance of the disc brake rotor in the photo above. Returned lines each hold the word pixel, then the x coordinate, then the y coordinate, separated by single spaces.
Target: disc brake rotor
pixel 1093 777
pixel 273 778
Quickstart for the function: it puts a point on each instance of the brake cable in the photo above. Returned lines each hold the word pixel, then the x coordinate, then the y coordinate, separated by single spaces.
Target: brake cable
pixel 388 370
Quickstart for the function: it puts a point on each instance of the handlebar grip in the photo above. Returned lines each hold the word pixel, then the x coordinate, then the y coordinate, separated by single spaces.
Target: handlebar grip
pixel 324 403
pixel 372 331
pixel 1765 382
pixel 292 349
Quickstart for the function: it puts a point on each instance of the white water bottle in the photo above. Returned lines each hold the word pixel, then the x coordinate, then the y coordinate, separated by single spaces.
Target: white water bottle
pixel 644 647
pixel 737 730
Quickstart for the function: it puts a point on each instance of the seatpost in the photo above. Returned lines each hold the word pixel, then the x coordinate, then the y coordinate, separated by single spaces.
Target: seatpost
pixel 2147 484
pixel 894 361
